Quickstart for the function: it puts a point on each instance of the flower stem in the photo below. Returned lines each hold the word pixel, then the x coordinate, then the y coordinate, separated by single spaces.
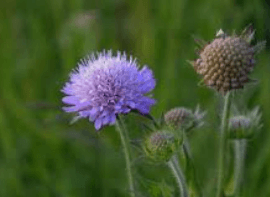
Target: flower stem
pixel 124 139
pixel 152 119
pixel 187 151
pixel 222 145
pixel 240 151
pixel 175 167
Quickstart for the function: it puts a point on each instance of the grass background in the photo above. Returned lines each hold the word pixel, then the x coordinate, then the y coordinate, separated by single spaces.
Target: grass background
pixel 41 42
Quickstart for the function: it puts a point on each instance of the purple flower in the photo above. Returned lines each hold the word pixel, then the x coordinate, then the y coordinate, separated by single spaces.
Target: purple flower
pixel 104 85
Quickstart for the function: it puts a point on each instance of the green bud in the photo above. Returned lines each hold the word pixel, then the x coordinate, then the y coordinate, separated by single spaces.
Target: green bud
pixel 161 145
pixel 244 127
pixel 183 118
pixel 240 127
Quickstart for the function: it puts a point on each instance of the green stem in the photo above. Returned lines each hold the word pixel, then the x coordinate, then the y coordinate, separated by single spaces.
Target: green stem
pixel 189 156
pixel 152 119
pixel 175 167
pixel 240 151
pixel 124 139
pixel 222 145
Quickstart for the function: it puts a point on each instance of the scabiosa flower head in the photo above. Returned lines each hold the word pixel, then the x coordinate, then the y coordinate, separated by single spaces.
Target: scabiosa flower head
pixel 183 118
pixel 161 145
pixel 104 85
pixel 226 62
pixel 242 126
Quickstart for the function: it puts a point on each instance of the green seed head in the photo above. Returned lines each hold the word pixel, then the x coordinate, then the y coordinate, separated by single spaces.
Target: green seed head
pixel 179 118
pixel 183 118
pixel 161 145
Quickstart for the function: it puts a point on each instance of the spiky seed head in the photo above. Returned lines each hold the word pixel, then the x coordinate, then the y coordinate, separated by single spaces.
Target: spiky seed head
pixel 183 118
pixel 226 62
pixel 161 145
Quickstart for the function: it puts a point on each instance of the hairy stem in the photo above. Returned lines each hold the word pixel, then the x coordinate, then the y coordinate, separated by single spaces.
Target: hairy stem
pixel 240 151
pixel 222 145
pixel 187 151
pixel 177 172
pixel 125 143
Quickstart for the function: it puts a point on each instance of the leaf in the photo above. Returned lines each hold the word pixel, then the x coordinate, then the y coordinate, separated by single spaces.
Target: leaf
pixel 259 47
pixel 162 120
pixel 201 83
pixel 248 33
pixel 147 127
pixel 74 120
pixel 200 42
pixel 220 33
pixel 190 62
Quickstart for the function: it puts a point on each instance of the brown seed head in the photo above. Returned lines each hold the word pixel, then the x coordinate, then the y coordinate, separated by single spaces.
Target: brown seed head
pixel 225 63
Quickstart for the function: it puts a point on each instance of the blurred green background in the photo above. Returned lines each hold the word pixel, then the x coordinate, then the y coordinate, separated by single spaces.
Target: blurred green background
pixel 41 42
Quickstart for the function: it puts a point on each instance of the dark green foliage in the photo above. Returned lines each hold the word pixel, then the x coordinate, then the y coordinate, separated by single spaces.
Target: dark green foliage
pixel 41 42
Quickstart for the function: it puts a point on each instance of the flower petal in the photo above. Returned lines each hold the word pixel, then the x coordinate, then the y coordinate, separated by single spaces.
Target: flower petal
pixel 124 110
pixel 147 100
pixel 112 119
pixel 144 109
pixel 93 113
pixel 106 120
pixel 68 89
pixel 131 104
pixel 98 123
pixel 144 104
pixel 70 109
pixel 148 86
pixel 70 100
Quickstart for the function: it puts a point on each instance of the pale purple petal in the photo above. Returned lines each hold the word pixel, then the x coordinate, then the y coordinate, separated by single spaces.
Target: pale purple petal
pixel 144 109
pixel 144 105
pixel 106 120
pixel 71 109
pixel 125 110
pixel 98 123
pixel 70 100
pixel 131 104
pixel 84 114
pixel 93 113
pixel 147 101
pixel 112 119
pixel 67 89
